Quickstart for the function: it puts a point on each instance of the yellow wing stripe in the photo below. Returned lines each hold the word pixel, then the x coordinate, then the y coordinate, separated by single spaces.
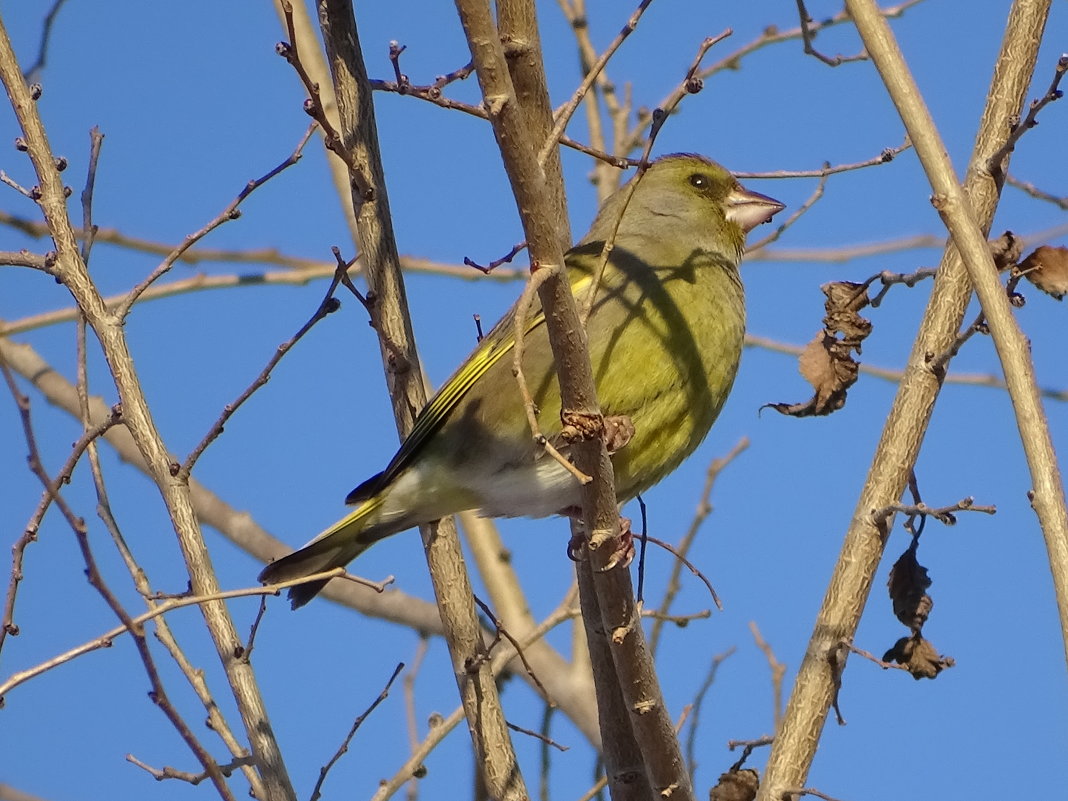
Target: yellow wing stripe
pixel 433 415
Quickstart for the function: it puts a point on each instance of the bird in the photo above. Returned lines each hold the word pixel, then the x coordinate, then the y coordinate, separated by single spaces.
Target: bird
pixel 664 332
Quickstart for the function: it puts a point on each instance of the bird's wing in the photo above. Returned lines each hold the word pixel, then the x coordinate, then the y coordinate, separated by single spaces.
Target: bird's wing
pixel 495 345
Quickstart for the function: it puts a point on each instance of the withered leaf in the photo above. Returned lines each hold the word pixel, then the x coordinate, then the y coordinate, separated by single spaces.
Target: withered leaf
pixel 844 300
pixel 919 657
pixel 908 585
pixel 736 785
pixel 1006 250
pixel 1047 268
pixel 827 361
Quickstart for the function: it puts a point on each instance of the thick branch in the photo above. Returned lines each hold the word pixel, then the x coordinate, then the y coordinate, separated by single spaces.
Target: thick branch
pixel 452 586
pixel 71 271
pixel 1014 351
pixel 796 742
pixel 546 240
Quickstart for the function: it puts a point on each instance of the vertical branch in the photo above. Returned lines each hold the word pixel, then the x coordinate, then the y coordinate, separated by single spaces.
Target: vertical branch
pixel 307 43
pixel 1014 351
pixel 517 25
pixel 70 270
pixel 619 626
pixel 494 754
pixel 624 766
pixel 797 739
pixel 570 689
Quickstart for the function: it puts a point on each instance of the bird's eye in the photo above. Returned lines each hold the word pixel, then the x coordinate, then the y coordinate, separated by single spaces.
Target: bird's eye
pixel 699 181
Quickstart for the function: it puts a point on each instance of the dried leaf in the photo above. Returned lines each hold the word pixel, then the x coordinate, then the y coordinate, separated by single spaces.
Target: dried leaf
pixel 919 657
pixel 908 585
pixel 844 300
pixel 736 785
pixel 1006 250
pixel 1047 268
pixel 827 361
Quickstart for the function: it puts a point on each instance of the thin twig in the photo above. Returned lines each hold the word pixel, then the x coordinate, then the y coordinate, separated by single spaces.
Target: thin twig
pixel 995 164
pixel 160 774
pixel 817 193
pixel 698 703
pixel 522 312
pixel 493 265
pixel 873 658
pixel 806 791
pixel 29 534
pixel 327 305
pixel 1060 202
pixel 96 141
pixel 23 258
pixel 595 790
pixel 539 736
pixel 28 193
pixel 33 72
pixel 344 747
pixel 807 35
pixel 885 157
pixel 778 672
pixel 408 687
pixel 691 567
pixel 231 212
pixel 499 626
pixel 170 603
pixel 313 106
pixel 690 84
pixel 943 514
pixel 563 115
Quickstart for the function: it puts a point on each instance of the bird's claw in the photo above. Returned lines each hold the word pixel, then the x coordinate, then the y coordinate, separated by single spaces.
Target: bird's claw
pixel 579 545
pixel 576 548
pixel 623 555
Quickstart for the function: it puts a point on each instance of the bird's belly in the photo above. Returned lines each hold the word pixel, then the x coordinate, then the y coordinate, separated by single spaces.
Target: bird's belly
pixel 537 489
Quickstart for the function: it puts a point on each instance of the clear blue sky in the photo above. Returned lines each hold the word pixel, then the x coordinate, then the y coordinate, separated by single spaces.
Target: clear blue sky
pixel 194 102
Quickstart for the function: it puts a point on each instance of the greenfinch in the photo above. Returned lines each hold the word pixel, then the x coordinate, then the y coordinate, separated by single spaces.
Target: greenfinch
pixel 665 336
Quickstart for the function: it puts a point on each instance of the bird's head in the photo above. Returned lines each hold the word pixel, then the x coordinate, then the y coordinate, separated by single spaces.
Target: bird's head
pixel 686 195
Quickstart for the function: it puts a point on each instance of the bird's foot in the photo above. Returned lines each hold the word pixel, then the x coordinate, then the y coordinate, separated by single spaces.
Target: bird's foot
pixel 579 545
pixel 576 547
pixel 623 555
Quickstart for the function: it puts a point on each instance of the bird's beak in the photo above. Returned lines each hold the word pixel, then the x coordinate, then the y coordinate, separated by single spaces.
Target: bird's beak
pixel 750 209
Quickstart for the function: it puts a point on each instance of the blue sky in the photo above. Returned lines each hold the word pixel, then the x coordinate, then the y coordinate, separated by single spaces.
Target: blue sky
pixel 194 102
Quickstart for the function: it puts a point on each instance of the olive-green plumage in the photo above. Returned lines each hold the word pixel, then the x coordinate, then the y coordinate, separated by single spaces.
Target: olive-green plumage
pixel 665 336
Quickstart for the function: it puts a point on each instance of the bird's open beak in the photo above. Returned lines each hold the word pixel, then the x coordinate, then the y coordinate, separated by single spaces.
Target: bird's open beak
pixel 750 209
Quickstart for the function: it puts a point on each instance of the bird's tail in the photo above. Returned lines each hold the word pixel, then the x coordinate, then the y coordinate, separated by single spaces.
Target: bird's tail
pixel 335 547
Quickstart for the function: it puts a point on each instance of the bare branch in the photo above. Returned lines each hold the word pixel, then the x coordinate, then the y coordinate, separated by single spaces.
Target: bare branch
pixel 323 771
pixel 161 774
pixel 231 212
pixel 995 165
pixel 885 157
pixel 33 72
pixel 563 115
pixel 1035 192
pixel 328 305
pixel 815 687
pixel 704 509
pixel 808 34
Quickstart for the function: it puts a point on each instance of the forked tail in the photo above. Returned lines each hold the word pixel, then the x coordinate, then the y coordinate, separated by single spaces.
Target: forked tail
pixel 335 547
